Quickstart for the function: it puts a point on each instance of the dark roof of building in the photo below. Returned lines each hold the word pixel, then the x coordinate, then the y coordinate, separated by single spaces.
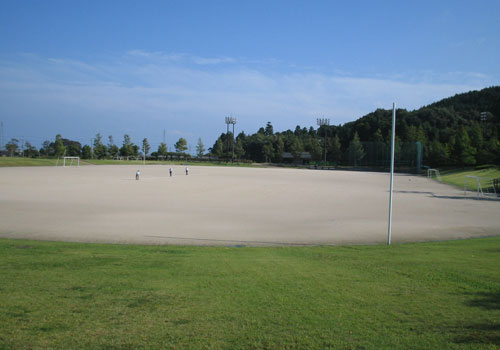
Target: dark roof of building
pixel 303 155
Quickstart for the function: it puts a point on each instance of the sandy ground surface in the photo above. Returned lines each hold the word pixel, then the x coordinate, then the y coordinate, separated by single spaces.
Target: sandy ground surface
pixel 233 206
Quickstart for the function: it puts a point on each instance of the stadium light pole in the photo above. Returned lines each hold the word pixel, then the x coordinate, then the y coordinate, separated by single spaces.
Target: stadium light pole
pixel 231 120
pixel 484 118
pixel 393 139
pixel 323 122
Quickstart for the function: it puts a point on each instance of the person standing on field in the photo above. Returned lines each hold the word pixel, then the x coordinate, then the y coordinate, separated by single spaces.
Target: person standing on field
pixel 170 171
pixel 187 171
pixel 137 174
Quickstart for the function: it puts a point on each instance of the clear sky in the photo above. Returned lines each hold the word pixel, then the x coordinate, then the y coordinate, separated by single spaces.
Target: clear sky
pixel 138 67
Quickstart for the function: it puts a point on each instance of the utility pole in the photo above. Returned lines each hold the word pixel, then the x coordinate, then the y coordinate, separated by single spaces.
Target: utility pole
pixel 323 122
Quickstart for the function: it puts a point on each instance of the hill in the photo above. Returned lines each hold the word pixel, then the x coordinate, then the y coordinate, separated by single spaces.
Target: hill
pixel 462 130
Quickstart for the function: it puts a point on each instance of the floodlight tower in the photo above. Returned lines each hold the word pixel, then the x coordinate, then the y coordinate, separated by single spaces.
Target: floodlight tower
pixel 323 122
pixel 231 120
pixel 484 118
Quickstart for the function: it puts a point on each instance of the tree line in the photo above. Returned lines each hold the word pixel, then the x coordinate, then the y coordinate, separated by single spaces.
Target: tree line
pixel 462 130
pixel 61 147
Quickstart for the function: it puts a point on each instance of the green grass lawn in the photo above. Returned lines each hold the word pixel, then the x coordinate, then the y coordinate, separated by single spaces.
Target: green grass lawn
pixel 443 295
pixel 176 162
pixel 457 177
pixel 19 161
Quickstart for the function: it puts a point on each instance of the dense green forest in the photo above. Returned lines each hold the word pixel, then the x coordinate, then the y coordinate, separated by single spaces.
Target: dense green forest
pixel 462 130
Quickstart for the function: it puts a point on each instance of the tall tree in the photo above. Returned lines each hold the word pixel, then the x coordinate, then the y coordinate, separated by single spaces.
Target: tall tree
pixel 464 152
pixel 113 149
pixel 279 149
pixel 47 150
pixel 356 150
pixel 335 153
pixel 73 148
pixel 437 155
pixel 181 145
pixel 268 151
pixel 269 131
pixel 476 136
pixel 239 148
pixel 162 150
pixel 86 152
pixel 99 148
pixel 296 148
pixel 493 151
pixel 135 150
pixel 377 136
pixel 145 147
pixel 218 148
pixel 200 148
pixel 30 151
pixel 60 149
pixel 12 147
pixel 128 147
pixel 315 148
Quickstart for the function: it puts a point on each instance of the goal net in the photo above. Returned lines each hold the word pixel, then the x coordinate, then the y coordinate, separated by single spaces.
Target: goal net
pixel 481 186
pixel 434 174
pixel 71 161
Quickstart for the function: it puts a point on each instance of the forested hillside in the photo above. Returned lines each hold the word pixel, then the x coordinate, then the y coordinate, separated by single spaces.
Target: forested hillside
pixel 461 130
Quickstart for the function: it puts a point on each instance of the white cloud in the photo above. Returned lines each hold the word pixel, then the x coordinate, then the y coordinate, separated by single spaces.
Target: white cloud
pixel 179 58
pixel 149 91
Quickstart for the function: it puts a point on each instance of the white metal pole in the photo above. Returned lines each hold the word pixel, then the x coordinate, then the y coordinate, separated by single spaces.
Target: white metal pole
pixel 392 172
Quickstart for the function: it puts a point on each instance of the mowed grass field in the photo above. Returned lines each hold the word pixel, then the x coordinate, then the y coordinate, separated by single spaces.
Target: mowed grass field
pixel 457 177
pixel 19 161
pixel 441 295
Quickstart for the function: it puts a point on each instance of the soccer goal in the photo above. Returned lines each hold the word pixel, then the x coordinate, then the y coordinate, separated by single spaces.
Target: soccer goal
pixel 71 161
pixel 482 186
pixel 434 174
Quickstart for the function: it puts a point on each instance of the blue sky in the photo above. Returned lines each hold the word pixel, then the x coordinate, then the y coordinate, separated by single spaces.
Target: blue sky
pixel 138 67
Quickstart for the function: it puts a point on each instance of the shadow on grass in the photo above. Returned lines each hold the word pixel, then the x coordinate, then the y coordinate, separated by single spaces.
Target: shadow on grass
pixel 489 301
pixel 483 333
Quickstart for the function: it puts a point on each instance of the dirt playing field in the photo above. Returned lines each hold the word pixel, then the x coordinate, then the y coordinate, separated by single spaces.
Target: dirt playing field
pixel 233 206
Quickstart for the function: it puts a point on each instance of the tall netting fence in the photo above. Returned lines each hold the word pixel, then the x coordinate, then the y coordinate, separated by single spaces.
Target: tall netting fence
pixel 377 156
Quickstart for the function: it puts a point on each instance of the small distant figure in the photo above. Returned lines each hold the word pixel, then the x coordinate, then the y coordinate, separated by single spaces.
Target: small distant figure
pixel 170 171
pixel 137 174
pixel 187 171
